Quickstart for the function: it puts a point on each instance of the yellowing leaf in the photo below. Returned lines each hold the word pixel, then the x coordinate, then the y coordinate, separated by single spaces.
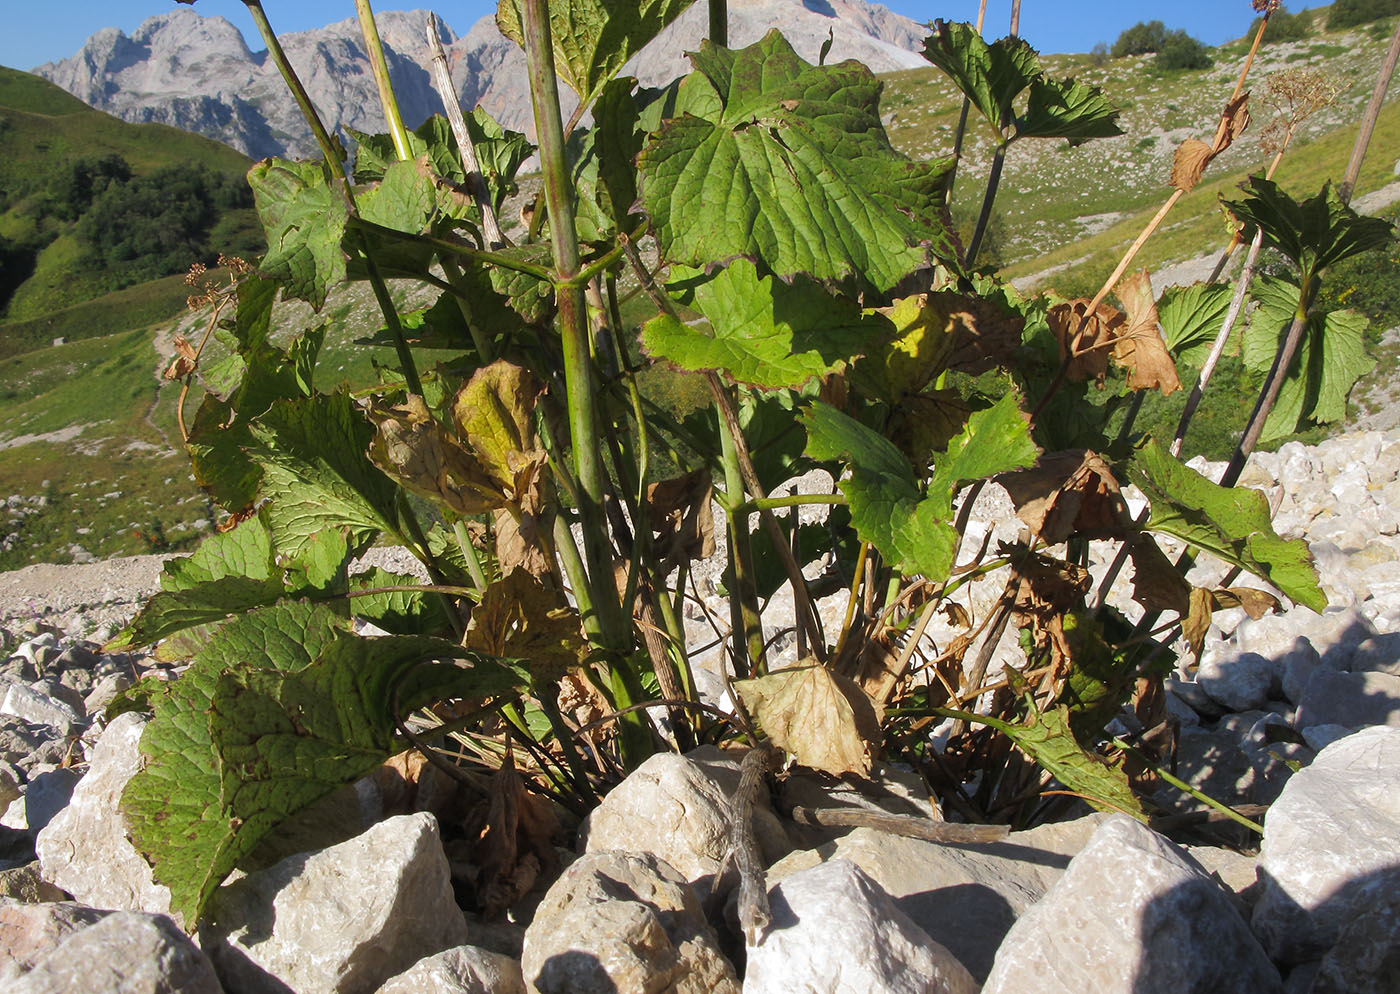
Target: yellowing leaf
pixel 519 619
pixel 1086 339
pixel 494 412
pixel 419 453
pixel 823 719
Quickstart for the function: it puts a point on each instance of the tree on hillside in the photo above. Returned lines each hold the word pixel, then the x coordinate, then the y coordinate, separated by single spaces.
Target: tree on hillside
pixel 1180 51
pixel 1142 38
pixel 1349 13
pixel 81 181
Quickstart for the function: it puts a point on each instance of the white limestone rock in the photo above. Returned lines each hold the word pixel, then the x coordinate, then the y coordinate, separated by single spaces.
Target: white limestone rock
pixel 339 921
pixel 1132 915
pixel 1351 699
pixel 28 932
pixel 1330 844
pixel 84 849
pixel 677 808
pixel 459 970
pixel 1240 681
pixel 836 931
pixel 624 923
pixel 127 952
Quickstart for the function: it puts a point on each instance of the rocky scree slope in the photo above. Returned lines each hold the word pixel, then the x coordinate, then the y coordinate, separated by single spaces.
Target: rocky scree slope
pixel 198 73
pixel 1297 711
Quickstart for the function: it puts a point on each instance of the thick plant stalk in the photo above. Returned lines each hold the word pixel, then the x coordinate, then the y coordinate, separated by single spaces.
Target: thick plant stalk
pixel 1368 120
pixel 613 628
pixel 985 217
pixel 1217 347
pixel 476 182
pixel 1015 18
pixel 719 22
pixel 380 67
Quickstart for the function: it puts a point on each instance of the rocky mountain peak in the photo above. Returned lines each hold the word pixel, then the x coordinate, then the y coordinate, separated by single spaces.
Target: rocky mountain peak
pixel 198 73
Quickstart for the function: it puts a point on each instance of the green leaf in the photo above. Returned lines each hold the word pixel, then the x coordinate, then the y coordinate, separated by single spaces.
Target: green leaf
pixel 304 217
pixel 220 464
pixel 996 440
pixel 990 76
pixel 403 200
pixel 316 473
pixel 1331 357
pixel 593 38
pixel 1315 233
pixel 1064 108
pixel 499 153
pixel 401 612
pixel 244 551
pixel 1230 523
pixel 1048 740
pixel 787 164
pixel 172 806
pixel 764 332
pixel 1191 317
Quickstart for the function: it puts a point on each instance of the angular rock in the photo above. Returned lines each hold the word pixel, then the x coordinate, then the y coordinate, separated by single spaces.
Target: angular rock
pixel 625 923
pixel 10 789
pixel 1350 699
pixel 1212 760
pixel 677 808
pixel 27 884
pixel 28 932
pixel 1366 958
pixel 1238 682
pixel 127 952
pixel 27 744
pixel 46 795
pixel 1329 845
pixel 39 708
pixel 1132 914
pixel 460 970
pixel 964 897
pixel 1379 653
pixel 84 849
pixel 836 930
pixel 339 921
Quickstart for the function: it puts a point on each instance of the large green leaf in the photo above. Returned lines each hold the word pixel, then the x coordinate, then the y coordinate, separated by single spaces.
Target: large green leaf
pixel 1229 522
pixel 764 332
pixel 787 164
pixel 172 806
pixel 304 217
pixel 1331 357
pixel 281 708
pixel 316 473
pixel 403 200
pixel 1048 739
pixel 1314 233
pixel 1065 108
pixel 1191 317
pixel 889 509
pixel 593 38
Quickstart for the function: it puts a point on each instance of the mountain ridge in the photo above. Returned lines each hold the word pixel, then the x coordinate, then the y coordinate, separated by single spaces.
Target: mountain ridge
pixel 198 73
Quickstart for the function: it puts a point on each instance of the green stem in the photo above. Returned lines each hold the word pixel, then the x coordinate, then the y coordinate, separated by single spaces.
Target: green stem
pixel 584 425
pixel 744 619
pixel 377 64
pixel 791 500
pixel 989 198
pixel 391 319
pixel 457 248
pixel 1179 784
pixel 719 22
pixel 464 542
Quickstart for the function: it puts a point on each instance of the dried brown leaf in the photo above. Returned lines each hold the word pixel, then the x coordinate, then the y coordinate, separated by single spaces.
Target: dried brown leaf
pixel 518 618
pixel 825 720
pixel 1235 117
pixel 1197 621
pixel 1068 492
pixel 682 519
pixel 417 451
pixel 518 545
pixel 1157 584
pixel 513 845
pixel 495 414
pixel 1190 161
pixel 1089 347
pixel 1140 348
pixel 1256 603
pixel 878 669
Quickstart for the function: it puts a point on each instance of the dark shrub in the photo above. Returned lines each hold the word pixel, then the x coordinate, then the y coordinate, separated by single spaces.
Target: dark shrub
pixel 1141 38
pixel 1349 13
pixel 1283 26
pixel 1181 51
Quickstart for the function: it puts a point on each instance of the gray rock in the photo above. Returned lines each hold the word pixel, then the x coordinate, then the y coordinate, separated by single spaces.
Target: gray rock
pixel 339 921
pixel 459 970
pixel 29 931
pixel 1194 696
pixel 1379 653
pixel 1351 699
pixel 1238 682
pixel 46 795
pixel 1131 914
pixel 1212 760
pixel 677 808
pixel 27 744
pixel 623 923
pixel 836 930
pixel 1319 737
pixel 104 690
pixel 964 897
pixel 35 706
pixel 10 789
pixel 1329 844
pixel 27 884
pixel 127 952
pixel 1366 957
pixel 1297 671
pixel 84 849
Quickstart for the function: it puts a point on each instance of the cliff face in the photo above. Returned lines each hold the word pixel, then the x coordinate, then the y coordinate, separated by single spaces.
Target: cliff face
pixel 197 73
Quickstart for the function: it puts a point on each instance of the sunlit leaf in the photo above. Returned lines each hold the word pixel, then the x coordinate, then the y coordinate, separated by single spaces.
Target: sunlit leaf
pixel 1314 233
pixel 304 217
pixel 824 719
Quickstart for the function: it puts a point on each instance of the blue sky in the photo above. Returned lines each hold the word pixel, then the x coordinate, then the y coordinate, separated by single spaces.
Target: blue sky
pixel 39 32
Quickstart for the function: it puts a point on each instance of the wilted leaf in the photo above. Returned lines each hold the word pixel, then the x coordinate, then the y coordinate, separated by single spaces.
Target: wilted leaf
pixel 417 451
pixel 682 520
pixel 1236 118
pixel 513 847
pixel 1157 584
pixel 1205 602
pixel 519 619
pixel 823 719
pixel 1140 348
pixel 494 413
pixel 787 164
pixel 1231 523
pixel 1068 493
pixel 1188 163
pixel 1089 346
